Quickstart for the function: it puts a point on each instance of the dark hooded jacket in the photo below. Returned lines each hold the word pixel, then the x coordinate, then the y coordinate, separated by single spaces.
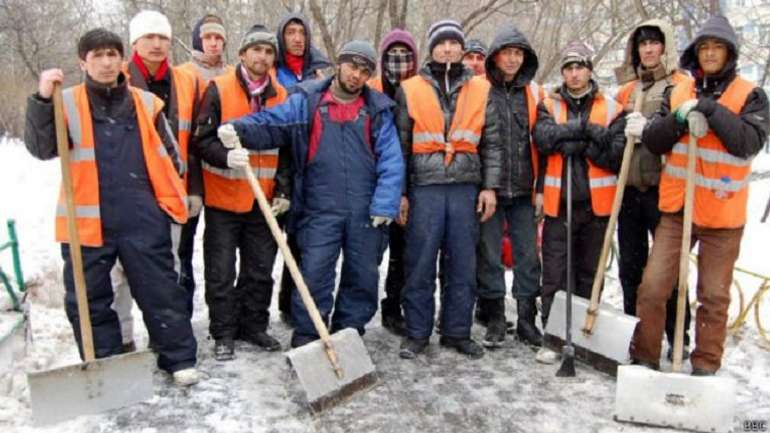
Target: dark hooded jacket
pixel 744 134
pixel 482 168
pixel 603 146
pixel 314 59
pixel 395 36
pixel 510 103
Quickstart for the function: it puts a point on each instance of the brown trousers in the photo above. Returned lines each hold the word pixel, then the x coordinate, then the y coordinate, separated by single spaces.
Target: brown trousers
pixel 717 252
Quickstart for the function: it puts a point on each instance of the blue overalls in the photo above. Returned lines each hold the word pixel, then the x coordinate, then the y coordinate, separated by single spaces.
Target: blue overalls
pixel 339 182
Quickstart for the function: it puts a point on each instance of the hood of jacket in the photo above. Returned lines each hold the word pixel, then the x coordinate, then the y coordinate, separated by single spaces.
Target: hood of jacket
pixel 510 36
pixel 314 59
pixel 715 27
pixel 398 36
pixel 627 71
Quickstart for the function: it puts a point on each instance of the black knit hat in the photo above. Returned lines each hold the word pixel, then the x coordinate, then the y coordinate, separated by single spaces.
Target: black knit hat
pixel 648 33
pixel 96 39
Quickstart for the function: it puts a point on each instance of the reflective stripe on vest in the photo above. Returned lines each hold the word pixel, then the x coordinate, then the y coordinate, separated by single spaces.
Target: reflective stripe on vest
pixel 467 122
pixel 602 183
pixel 534 96
pixel 186 93
pixel 228 189
pixel 721 179
pixel 166 183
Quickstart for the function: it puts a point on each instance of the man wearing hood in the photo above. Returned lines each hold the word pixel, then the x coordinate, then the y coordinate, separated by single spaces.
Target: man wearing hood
pixel 649 69
pixel 577 125
pixel 209 39
pixel 348 172
pixel 511 67
pixel 398 62
pixel 298 59
pixel 475 55
pixel 449 138
pixel 729 117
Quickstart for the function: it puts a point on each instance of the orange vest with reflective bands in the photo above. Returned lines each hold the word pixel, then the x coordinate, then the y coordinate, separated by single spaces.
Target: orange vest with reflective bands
pixel 534 94
pixel 375 83
pixel 228 189
pixel 626 92
pixel 167 185
pixel 467 123
pixel 190 68
pixel 186 92
pixel 721 179
pixel 601 182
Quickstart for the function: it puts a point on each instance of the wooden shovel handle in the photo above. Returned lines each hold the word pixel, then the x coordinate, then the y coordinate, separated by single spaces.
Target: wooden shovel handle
pixel 625 167
pixel 291 263
pixel 684 255
pixel 62 146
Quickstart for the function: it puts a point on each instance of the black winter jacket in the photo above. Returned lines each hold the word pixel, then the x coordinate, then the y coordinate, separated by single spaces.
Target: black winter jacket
pixel 743 135
pixel 510 103
pixel 116 103
pixel 603 146
pixel 428 168
pixel 210 149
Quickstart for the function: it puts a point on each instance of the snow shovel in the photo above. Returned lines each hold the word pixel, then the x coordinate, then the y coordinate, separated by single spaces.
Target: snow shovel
pixel 606 345
pixel 95 385
pixel 335 367
pixel 677 400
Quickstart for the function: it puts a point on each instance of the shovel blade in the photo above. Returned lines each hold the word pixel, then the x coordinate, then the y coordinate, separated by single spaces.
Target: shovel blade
pixel 611 334
pixel 317 377
pixel 704 404
pixel 90 387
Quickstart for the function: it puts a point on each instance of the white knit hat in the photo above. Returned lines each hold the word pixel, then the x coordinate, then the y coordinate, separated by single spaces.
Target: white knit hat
pixel 148 23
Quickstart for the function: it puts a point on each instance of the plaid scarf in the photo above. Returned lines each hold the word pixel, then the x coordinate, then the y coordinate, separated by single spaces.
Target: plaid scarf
pixel 397 67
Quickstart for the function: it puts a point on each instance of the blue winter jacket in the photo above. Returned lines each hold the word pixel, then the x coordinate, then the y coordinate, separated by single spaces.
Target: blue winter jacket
pixel 289 124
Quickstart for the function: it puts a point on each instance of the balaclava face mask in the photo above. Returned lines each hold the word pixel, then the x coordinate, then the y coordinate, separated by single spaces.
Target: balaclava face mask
pixel 397 67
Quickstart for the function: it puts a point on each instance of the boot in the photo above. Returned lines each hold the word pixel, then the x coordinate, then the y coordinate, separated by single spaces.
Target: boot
pixel 411 347
pixel 224 349
pixel 482 318
pixel 466 346
pixel 263 340
pixel 526 329
pixel 186 377
pixel 393 321
pixel 495 310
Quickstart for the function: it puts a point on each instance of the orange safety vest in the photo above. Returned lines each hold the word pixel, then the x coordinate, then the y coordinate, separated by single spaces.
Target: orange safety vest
pixel 721 179
pixel 166 183
pixel 602 183
pixel 375 83
pixel 186 92
pixel 535 94
pixel 468 120
pixel 626 92
pixel 228 189
pixel 190 68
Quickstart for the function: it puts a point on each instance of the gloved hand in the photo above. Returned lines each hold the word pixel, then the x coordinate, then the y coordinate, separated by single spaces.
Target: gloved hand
pixel 238 158
pixel 697 124
pixel 539 213
pixel 572 147
pixel 380 220
pixel 635 123
pixel 280 206
pixel 571 130
pixel 194 205
pixel 684 109
pixel 228 136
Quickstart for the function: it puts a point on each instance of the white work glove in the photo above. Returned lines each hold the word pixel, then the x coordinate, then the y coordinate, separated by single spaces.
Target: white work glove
pixel 238 158
pixel 684 109
pixel 635 123
pixel 380 220
pixel 228 136
pixel 539 214
pixel 280 206
pixel 194 205
pixel 697 124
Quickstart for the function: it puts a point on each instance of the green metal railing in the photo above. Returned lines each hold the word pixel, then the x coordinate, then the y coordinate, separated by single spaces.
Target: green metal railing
pixel 13 245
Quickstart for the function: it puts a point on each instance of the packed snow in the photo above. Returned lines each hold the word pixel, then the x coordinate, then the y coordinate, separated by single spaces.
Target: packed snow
pixel 506 391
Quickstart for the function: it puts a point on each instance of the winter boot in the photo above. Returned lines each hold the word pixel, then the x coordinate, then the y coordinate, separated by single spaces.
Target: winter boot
pixel 495 310
pixel 526 329
pixel 263 340
pixel 466 346
pixel 393 321
pixel 298 340
pixel 186 377
pixel 224 349
pixel 411 347
pixel 482 318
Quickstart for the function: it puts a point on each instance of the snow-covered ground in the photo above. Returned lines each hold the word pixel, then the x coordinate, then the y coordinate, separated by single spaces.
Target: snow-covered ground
pixel 506 391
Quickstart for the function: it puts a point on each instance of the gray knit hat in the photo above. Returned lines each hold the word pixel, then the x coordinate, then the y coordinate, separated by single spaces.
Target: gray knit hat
pixel 577 52
pixel 443 30
pixel 475 46
pixel 360 53
pixel 258 34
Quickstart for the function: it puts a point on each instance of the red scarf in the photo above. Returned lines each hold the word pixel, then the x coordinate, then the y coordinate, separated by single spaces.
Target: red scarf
pixel 159 74
pixel 295 63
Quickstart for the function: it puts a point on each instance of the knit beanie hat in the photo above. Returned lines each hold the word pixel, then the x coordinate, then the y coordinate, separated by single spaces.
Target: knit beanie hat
pixel 475 46
pixel 209 24
pixel 360 53
pixel 258 34
pixel 577 52
pixel 648 33
pixel 148 23
pixel 443 30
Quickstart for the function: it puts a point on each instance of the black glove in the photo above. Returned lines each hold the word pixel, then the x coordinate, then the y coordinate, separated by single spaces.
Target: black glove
pixel 572 147
pixel 574 129
pixel 597 133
